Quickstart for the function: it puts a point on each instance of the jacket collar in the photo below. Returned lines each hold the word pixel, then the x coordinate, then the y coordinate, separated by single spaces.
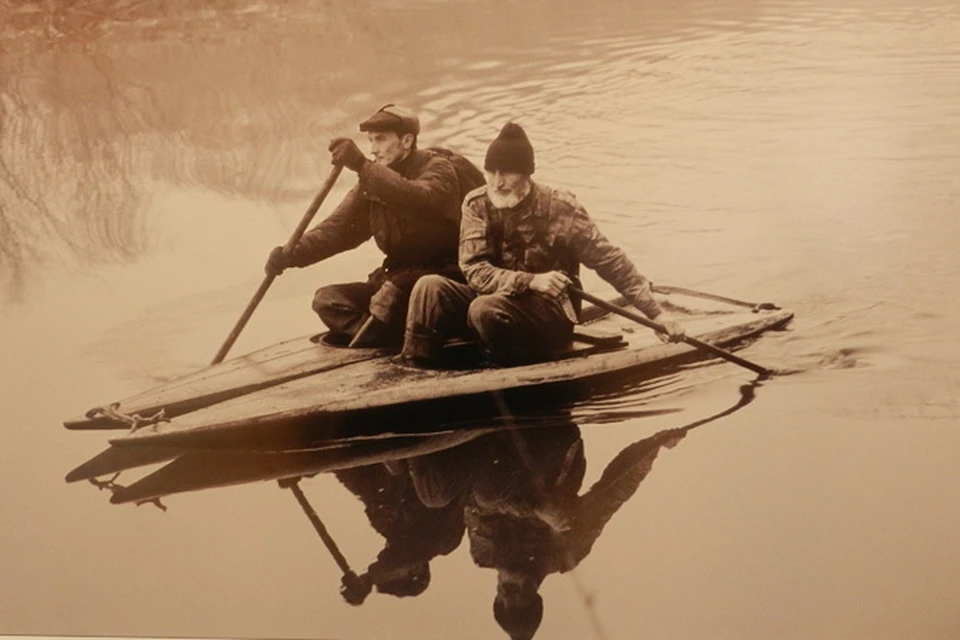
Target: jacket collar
pixel 410 164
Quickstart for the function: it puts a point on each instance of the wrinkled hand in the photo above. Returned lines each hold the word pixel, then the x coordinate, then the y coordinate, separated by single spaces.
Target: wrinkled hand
pixel 551 283
pixel 277 261
pixel 346 153
pixel 675 331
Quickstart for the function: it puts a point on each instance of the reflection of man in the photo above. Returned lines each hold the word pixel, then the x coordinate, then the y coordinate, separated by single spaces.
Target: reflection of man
pixel 414 532
pixel 408 200
pixel 525 518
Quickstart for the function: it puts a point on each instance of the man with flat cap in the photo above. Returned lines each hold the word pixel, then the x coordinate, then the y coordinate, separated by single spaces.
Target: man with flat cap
pixel 521 247
pixel 408 200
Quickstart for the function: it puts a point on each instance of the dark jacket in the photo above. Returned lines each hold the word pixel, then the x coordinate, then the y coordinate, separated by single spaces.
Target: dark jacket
pixel 412 211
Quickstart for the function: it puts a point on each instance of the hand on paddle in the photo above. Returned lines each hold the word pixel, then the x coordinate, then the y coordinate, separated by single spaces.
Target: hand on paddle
pixel 675 331
pixel 345 153
pixel 551 283
pixel 554 283
pixel 277 261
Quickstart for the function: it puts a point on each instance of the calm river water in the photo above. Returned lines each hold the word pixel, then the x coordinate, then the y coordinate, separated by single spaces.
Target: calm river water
pixel 785 151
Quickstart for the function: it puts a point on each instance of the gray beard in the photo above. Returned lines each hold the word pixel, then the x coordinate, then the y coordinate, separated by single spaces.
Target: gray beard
pixel 509 200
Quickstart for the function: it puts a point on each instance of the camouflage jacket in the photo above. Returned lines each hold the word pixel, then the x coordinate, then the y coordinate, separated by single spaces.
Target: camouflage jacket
pixel 411 210
pixel 501 250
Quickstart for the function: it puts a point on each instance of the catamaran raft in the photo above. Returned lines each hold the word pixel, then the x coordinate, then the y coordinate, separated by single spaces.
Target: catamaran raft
pixel 308 390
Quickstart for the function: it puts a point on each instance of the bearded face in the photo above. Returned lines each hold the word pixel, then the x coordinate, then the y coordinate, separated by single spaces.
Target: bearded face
pixel 505 189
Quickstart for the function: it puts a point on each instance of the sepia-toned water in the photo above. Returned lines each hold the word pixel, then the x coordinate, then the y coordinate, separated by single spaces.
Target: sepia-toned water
pixel 798 152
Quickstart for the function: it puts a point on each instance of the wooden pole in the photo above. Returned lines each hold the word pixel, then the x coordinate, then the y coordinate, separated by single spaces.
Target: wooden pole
pixel 656 326
pixel 268 280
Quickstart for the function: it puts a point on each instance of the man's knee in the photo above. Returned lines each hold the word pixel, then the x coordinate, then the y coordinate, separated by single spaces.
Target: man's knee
pixel 321 300
pixel 432 317
pixel 432 296
pixel 429 289
pixel 488 313
pixel 341 307
pixel 326 299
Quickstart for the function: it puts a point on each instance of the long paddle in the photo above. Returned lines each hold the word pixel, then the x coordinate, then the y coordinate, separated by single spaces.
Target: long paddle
pixel 656 326
pixel 268 280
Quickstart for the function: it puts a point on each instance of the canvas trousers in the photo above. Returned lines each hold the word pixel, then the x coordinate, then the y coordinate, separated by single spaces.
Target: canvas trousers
pixel 511 329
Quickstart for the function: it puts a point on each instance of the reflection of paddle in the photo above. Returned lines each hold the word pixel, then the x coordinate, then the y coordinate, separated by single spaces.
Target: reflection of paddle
pixel 268 280
pixel 656 326
pixel 355 588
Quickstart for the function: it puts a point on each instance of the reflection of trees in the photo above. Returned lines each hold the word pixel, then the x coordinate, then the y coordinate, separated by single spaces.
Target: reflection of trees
pixel 65 188
pixel 100 98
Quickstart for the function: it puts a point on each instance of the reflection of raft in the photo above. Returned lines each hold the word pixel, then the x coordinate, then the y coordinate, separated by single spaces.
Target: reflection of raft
pixel 201 469
pixel 308 390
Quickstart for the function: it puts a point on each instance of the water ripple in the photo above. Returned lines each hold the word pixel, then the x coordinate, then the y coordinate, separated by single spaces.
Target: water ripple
pixel 687 121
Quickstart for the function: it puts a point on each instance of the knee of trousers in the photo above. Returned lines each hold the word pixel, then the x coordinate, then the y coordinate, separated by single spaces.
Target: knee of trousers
pixel 488 314
pixel 322 299
pixel 330 301
pixel 429 288
pixel 426 298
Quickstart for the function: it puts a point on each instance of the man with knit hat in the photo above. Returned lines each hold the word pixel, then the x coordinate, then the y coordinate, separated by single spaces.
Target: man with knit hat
pixel 521 247
pixel 408 200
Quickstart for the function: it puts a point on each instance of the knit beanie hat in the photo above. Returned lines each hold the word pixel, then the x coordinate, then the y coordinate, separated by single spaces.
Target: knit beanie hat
pixel 510 151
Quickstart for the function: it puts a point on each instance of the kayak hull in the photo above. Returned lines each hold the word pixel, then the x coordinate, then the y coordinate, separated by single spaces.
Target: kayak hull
pixel 374 393
pixel 230 379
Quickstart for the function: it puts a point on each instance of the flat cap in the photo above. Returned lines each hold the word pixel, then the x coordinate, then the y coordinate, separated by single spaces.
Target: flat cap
pixel 390 117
